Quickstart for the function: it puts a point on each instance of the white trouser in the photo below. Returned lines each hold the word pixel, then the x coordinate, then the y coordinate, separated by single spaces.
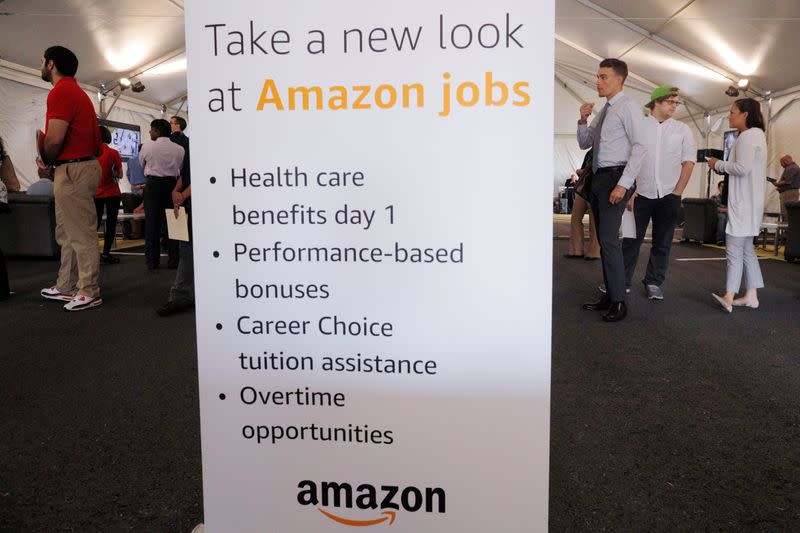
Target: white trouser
pixel 741 255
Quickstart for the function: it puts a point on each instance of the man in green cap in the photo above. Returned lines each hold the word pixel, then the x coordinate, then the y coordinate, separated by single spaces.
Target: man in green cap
pixel 668 164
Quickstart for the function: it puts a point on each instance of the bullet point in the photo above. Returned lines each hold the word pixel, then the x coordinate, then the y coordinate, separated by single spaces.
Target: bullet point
pixel 216 253
pixel 213 179
pixel 222 396
pixel 219 326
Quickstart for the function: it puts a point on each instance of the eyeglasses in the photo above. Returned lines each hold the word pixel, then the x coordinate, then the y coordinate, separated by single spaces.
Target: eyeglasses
pixel 673 102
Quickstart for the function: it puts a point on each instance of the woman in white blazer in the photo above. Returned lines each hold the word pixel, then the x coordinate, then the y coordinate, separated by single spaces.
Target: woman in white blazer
pixel 747 170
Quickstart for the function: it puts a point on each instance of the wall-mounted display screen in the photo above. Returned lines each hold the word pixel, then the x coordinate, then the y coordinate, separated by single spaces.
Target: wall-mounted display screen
pixel 125 138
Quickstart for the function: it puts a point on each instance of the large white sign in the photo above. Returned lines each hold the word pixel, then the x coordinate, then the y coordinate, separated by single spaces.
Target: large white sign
pixel 372 239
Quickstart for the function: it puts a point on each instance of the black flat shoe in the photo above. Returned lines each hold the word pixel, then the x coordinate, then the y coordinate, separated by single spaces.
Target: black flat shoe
pixel 573 256
pixel 603 304
pixel 616 312
pixel 108 259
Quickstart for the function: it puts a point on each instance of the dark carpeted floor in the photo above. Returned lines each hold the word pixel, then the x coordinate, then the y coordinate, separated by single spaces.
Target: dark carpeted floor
pixel 683 417
pixel 99 419
pixel 680 418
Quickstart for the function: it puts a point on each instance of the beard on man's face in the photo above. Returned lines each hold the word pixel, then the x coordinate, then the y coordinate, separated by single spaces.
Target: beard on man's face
pixel 46 74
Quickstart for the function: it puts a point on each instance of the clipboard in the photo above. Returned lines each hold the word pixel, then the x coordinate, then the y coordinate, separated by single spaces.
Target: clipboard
pixel 178 228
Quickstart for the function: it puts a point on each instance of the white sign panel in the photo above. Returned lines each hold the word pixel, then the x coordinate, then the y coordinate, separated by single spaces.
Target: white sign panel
pixel 372 240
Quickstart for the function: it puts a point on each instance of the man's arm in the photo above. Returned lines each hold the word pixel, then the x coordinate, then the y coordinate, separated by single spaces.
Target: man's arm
pixel 686 173
pixel 179 198
pixel 54 139
pixel 633 122
pixel 585 133
pixel 688 152
pixel 789 176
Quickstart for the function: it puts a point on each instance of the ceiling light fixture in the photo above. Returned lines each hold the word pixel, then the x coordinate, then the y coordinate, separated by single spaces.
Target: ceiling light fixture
pixel 123 84
pixel 744 84
pixel 732 91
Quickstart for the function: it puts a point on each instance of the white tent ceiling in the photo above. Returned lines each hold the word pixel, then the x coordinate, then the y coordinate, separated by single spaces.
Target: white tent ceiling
pixel 701 46
pixel 139 39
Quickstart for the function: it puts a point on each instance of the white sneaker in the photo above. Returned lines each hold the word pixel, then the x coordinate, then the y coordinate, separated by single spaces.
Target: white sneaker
pixel 52 293
pixel 80 303
pixel 654 292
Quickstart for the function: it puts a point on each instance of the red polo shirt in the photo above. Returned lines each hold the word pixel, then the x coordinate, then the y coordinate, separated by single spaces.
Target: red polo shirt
pixel 108 160
pixel 67 101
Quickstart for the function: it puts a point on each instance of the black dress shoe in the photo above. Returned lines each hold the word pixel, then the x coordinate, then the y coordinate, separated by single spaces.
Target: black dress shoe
pixel 616 312
pixel 603 304
pixel 171 308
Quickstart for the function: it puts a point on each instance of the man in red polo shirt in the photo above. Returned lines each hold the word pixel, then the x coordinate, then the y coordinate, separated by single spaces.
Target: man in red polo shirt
pixel 71 143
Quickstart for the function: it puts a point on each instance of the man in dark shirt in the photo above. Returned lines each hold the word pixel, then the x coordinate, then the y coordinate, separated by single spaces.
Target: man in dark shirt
pixel 789 184
pixel 181 294
pixel 71 143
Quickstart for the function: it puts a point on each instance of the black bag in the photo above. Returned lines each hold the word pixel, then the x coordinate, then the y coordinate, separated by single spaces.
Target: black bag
pixel 583 187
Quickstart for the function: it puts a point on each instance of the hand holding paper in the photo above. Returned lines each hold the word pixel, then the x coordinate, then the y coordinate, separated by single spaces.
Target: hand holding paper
pixel 178 225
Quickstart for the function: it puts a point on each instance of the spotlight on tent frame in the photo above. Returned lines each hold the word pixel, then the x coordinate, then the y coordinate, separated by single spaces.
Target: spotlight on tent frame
pixel 744 84
pixel 137 87
pixel 124 83
pixel 732 91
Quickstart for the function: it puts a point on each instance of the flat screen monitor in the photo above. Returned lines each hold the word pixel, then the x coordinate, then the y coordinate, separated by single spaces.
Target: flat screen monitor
pixel 125 138
pixel 728 139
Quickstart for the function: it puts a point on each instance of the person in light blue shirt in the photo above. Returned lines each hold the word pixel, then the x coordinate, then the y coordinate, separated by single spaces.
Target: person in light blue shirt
pixel 132 229
pixel 43 187
pixel 135 174
pixel 616 137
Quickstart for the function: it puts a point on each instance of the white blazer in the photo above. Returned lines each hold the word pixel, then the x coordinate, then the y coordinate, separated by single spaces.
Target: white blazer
pixel 747 170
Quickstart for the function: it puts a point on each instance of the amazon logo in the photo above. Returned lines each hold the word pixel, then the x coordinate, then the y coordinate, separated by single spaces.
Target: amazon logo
pixel 335 501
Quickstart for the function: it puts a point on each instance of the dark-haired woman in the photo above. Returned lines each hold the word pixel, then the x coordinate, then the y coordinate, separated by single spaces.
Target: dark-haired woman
pixel 108 195
pixel 747 170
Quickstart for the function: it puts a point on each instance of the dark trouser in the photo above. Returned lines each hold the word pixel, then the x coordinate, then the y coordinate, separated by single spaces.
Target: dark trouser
pixel 110 205
pixel 131 229
pixel 664 214
pixel 608 218
pixel 4 289
pixel 182 290
pixel 722 221
pixel 157 198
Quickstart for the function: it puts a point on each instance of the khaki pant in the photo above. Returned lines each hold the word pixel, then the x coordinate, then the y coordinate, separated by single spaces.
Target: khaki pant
pixel 579 208
pixel 76 227
pixel 792 195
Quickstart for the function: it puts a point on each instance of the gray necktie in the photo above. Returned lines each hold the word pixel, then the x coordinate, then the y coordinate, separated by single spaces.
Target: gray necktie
pixel 597 129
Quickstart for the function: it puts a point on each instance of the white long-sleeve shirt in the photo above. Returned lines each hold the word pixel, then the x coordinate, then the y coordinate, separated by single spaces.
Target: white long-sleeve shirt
pixel 668 145
pixel 620 138
pixel 747 170
pixel 161 158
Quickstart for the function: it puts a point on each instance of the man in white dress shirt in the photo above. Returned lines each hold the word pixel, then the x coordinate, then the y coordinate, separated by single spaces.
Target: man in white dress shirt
pixel 615 135
pixel 670 154
pixel 161 160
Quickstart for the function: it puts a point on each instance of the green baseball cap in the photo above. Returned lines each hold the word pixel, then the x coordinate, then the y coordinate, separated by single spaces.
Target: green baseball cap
pixel 661 92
